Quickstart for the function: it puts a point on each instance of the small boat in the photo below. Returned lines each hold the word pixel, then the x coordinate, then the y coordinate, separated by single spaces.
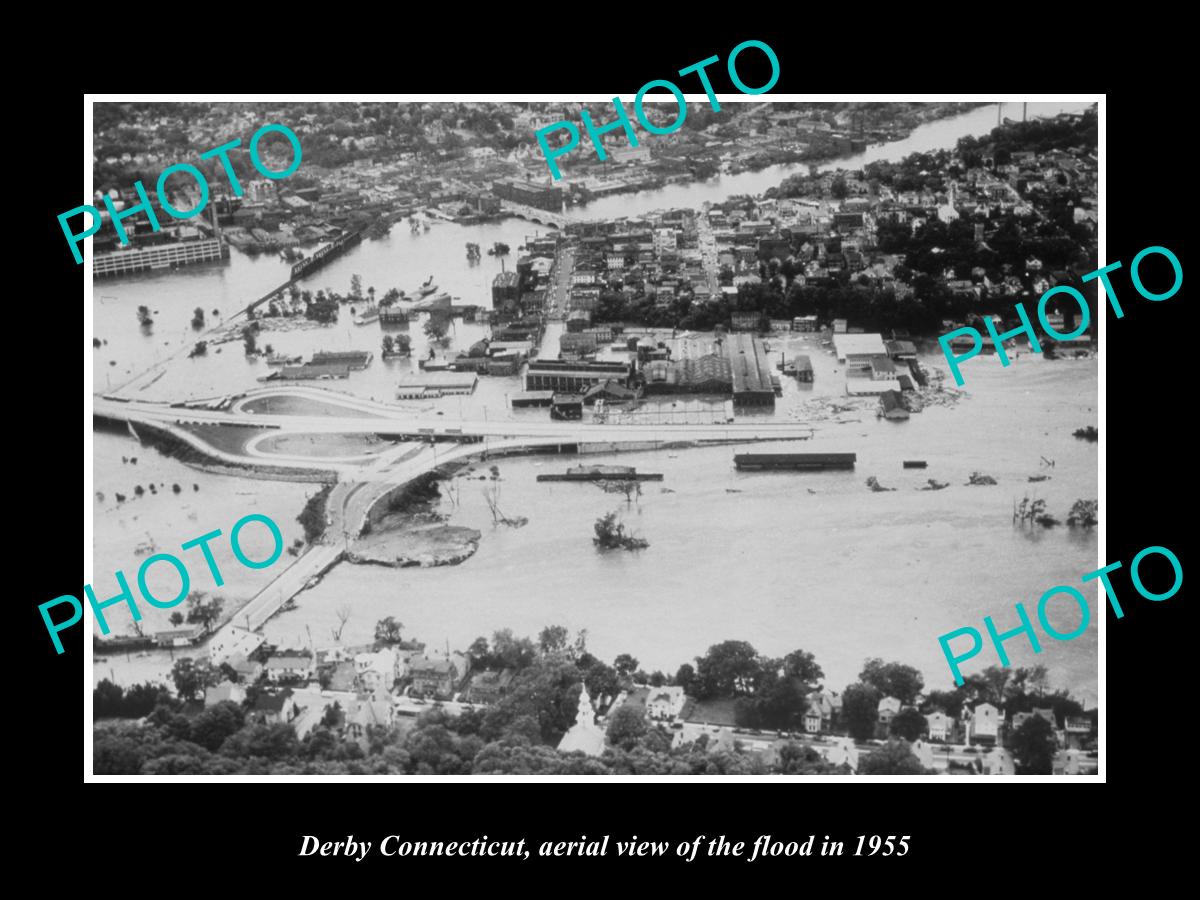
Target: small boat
pixel 427 287
pixel 367 317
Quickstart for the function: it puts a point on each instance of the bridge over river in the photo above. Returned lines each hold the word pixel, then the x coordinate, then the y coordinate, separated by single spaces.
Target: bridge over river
pixel 363 481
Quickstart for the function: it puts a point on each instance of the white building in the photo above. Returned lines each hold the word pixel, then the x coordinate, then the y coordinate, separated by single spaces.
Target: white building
pixel 233 641
pixel 665 702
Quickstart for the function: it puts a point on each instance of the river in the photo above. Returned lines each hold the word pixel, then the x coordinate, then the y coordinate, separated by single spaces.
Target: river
pixel 783 561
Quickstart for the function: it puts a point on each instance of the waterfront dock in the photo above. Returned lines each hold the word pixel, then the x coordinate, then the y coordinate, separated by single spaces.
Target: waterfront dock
pixel 602 473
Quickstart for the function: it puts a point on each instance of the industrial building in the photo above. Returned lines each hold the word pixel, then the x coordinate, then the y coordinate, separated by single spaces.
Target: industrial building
pixel 709 374
pixel 426 385
pixel 753 384
pixel 547 198
pixel 572 376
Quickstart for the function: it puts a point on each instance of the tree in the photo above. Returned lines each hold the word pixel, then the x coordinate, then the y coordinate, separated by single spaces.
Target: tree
pixel 481 656
pixel 333 717
pixel 191 677
pixel 908 724
pixel 436 328
pixel 511 652
pixel 215 724
pixel 108 699
pixel 198 318
pixel 1033 746
pixel 250 341
pixel 548 691
pixel 389 345
pixel 387 631
pixel 779 702
pixel 802 759
pixel 601 679
pixel 893 680
pixel 553 639
pixel 611 535
pixel 838 188
pixel 860 710
pixel 343 616
pixel 625 665
pixel 205 612
pixel 627 726
pixel 893 758
pixel 356 286
pixel 177 618
pixel 803 665
pixel 949 702
pixel 727 669
pixel 685 677
pixel 144 317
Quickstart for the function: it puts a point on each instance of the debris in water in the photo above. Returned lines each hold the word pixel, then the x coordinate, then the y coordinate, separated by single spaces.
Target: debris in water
pixel 977 478
pixel 1090 433
pixel 873 484
pixel 934 485
pixel 1039 477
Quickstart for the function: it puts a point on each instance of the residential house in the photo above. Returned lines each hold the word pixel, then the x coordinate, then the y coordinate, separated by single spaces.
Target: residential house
pixel 377 672
pixel 830 705
pixel 888 708
pixel 222 692
pixel 665 702
pixel 433 676
pixel 361 714
pixel 290 667
pixel 279 707
pixel 812 718
pixel 984 724
pixel 489 686
pixel 1077 731
pixel 941 726
pixel 248 671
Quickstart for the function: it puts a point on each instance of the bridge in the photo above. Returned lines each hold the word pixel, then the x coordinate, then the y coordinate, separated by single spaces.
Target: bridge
pixel 335 413
pixel 364 480
pixel 533 214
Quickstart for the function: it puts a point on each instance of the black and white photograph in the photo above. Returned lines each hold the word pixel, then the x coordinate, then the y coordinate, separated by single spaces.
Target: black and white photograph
pixel 637 437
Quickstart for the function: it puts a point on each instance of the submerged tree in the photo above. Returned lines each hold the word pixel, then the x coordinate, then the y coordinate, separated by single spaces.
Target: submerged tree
pixel 204 612
pixel 1084 514
pixel 144 318
pixel 630 487
pixel 198 318
pixel 343 616
pixel 611 535
pixel 491 495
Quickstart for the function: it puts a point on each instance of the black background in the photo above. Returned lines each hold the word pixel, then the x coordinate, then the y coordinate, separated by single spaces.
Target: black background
pixel 964 839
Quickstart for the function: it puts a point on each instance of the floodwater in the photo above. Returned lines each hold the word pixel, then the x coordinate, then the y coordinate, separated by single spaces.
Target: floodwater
pixel 783 560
